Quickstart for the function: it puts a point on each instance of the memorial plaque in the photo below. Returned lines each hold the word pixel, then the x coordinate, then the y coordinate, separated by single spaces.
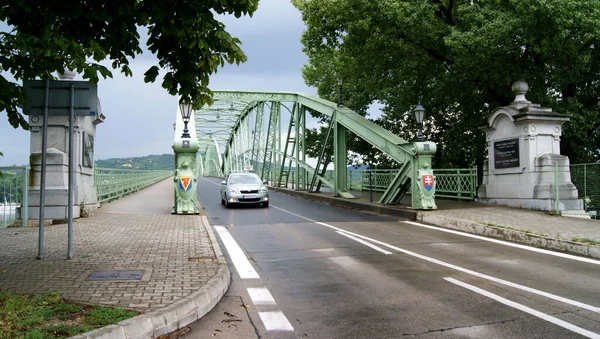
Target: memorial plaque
pixel 88 150
pixel 108 275
pixel 506 153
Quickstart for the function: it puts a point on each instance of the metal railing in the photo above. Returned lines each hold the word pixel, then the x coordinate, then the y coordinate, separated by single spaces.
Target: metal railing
pixel 112 184
pixel 13 194
pixel 460 183
pixel 586 177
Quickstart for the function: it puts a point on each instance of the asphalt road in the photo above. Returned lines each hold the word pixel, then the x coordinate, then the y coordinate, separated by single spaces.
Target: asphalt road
pixel 302 269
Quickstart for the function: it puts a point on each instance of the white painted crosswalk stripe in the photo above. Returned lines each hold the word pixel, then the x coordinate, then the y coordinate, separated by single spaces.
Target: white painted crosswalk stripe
pixel 275 321
pixel 261 296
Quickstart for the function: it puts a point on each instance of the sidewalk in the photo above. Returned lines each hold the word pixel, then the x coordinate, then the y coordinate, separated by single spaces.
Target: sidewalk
pixel 182 272
pixel 535 228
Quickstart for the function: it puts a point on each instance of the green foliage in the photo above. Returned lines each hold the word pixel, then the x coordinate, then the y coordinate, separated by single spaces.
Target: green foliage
pixel 46 36
pixel 459 60
pixel 149 162
pixel 586 241
pixel 47 316
pixel 102 316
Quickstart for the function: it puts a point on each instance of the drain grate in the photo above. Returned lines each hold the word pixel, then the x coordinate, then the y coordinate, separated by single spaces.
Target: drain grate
pixel 109 275
pixel 200 259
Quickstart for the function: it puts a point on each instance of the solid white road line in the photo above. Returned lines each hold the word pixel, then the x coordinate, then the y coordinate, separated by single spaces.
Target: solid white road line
pixel 275 321
pixel 294 214
pixel 464 270
pixel 505 243
pixel 377 248
pixel 526 309
pixel 261 296
pixel 241 263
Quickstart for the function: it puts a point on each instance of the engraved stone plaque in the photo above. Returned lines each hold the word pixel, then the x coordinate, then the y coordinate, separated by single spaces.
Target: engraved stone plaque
pixel 506 153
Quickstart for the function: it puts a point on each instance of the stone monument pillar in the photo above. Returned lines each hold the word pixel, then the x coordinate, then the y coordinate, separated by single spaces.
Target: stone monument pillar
pixel 524 160
pixel 57 164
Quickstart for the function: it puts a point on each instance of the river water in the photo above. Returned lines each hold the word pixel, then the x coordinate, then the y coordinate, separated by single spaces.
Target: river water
pixel 8 214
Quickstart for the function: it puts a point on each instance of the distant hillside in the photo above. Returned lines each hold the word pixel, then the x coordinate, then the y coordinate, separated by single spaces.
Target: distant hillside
pixel 150 162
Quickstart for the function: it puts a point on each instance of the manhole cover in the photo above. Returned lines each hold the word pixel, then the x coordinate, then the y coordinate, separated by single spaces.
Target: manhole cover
pixel 115 275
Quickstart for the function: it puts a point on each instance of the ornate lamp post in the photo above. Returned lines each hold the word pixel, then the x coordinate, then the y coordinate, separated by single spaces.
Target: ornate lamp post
pixel 420 116
pixel 185 179
pixel 186 112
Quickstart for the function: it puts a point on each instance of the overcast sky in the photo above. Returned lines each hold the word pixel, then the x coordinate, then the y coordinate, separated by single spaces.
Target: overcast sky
pixel 139 116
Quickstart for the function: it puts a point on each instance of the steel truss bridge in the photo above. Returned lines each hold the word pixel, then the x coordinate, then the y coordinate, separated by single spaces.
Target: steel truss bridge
pixel 267 130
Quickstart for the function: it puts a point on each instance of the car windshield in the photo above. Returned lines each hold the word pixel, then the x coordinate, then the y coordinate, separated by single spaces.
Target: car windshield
pixel 244 179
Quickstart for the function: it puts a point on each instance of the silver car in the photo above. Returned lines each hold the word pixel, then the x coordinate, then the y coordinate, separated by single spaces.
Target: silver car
pixel 244 188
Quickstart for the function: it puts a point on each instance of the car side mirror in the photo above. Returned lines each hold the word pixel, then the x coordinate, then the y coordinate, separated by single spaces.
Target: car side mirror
pixel 265 182
pixel 223 182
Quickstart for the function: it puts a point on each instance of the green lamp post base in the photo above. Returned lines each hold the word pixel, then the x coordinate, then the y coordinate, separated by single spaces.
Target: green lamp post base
pixel 185 178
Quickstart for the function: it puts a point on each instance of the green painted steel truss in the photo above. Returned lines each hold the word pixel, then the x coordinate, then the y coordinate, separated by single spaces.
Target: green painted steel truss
pixel 266 130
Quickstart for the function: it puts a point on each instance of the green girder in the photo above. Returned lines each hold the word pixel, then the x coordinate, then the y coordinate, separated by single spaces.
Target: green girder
pixel 236 125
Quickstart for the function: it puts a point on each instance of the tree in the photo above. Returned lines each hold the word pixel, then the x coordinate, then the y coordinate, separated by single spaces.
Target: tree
pixel 48 36
pixel 458 58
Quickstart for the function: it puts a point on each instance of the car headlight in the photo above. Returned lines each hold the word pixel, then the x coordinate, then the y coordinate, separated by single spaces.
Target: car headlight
pixel 263 189
pixel 233 191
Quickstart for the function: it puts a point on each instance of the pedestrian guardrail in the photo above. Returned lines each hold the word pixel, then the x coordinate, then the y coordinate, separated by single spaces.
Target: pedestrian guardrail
pixel 13 194
pixel 112 184
pixel 586 177
pixel 459 183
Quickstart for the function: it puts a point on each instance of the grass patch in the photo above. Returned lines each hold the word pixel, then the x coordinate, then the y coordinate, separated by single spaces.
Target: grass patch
pixel 586 241
pixel 48 316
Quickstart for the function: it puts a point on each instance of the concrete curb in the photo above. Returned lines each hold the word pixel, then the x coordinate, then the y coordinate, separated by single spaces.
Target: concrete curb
pixel 534 240
pixel 177 315
pixel 466 226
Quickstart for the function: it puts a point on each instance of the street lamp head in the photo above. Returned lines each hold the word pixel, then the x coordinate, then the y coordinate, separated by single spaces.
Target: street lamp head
pixel 419 114
pixel 186 112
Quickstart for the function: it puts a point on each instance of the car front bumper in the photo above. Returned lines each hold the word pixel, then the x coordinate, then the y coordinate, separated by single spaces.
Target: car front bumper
pixel 248 198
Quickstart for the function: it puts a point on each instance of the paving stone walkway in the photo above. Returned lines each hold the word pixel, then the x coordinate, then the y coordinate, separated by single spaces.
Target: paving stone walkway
pixel 175 254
